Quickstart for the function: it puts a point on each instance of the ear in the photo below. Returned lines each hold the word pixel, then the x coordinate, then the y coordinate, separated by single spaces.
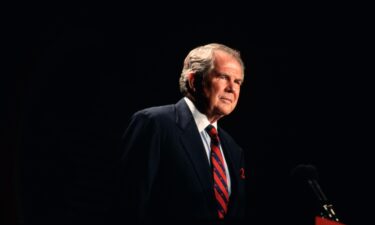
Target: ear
pixel 191 80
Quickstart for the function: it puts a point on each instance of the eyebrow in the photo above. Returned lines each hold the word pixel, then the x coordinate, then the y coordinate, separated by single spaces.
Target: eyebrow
pixel 228 75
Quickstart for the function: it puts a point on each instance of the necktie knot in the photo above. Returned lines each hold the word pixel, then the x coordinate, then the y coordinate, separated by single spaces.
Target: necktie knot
pixel 211 130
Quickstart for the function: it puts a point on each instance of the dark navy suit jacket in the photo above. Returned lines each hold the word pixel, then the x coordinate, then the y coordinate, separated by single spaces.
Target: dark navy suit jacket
pixel 165 174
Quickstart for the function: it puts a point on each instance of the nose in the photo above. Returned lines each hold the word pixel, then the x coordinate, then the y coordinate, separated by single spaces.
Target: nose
pixel 231 86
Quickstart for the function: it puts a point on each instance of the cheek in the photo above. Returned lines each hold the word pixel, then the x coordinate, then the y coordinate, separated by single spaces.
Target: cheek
pixel 237 95
pixel 214 92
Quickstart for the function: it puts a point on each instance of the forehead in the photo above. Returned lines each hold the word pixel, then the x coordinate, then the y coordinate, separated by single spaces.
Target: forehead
pixel 227 63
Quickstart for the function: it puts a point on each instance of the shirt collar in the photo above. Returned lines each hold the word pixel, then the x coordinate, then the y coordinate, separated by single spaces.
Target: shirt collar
pixel 200 119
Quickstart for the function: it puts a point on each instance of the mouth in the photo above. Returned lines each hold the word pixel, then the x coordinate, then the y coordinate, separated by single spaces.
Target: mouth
pixel 227 100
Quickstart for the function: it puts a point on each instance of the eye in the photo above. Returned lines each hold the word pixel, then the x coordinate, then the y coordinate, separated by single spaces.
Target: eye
pixel 239 82
pixel 222 76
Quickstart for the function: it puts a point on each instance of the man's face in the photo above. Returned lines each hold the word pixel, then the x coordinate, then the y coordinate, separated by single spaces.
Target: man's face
pixel 221 88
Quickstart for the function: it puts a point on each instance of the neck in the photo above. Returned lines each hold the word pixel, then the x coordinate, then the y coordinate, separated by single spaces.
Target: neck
pixel 203 108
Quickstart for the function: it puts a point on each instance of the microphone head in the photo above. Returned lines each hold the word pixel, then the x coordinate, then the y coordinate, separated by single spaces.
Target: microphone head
pixel 308 172
pixel 305 172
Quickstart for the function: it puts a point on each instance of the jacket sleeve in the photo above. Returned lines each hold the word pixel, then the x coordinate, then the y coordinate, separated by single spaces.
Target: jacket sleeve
pixel 138 166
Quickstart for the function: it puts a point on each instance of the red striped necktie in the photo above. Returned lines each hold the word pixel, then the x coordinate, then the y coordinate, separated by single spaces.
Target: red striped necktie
pixel 219 174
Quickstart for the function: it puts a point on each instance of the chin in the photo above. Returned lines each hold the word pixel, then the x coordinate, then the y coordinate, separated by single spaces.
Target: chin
pixel 224 109
pixel 225 112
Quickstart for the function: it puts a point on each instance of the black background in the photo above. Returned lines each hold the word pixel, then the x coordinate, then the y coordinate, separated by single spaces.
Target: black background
pixel 79 72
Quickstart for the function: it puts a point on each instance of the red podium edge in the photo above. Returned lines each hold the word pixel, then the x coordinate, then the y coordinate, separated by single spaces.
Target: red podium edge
pixel 323 221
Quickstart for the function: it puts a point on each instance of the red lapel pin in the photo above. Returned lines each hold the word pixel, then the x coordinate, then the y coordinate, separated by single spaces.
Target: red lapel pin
pixel 242 173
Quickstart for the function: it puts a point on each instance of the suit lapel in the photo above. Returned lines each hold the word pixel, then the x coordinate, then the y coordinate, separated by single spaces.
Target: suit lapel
pixel 192 143
pixel 229 157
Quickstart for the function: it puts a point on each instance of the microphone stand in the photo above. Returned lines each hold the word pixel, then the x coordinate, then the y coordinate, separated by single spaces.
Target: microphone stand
pixel 327 208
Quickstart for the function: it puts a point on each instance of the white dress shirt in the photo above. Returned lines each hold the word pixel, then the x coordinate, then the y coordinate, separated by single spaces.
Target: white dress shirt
pixel 202 122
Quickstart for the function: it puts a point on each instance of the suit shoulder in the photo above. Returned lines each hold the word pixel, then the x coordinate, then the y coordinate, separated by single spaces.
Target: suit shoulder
pixel 156 113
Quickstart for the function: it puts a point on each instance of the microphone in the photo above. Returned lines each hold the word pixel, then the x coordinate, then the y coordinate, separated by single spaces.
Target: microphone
pixel 308 172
